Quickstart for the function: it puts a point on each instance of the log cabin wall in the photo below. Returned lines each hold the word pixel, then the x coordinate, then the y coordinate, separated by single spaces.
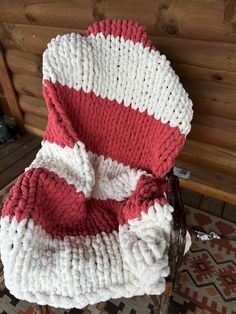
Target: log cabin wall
pixel 199 38
pixel 4 110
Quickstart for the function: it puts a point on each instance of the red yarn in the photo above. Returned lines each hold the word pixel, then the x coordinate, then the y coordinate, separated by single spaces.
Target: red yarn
pixel 121 133
pixel 128 30
pixel 60 210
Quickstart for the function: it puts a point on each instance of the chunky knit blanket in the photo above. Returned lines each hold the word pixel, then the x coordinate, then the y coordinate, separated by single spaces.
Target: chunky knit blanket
pixel 89 220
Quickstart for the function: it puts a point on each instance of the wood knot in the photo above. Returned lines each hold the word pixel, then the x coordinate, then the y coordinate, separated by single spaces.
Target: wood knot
pixel 164 7
pixel 171 29
pixel 98 16
pixel 217 77
pixel 30 18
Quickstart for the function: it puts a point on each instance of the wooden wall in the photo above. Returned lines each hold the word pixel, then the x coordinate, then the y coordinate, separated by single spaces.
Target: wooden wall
pixel 4 110
pixel 198 36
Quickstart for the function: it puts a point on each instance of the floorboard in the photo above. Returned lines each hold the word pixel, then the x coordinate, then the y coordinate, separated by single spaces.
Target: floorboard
pixel 16 156
pixel 8 148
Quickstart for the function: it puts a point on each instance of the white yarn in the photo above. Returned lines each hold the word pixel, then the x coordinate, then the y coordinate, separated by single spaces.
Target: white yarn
pixel 91 174
pixel 77 271
pixel 117 69
pixel 145 244
pixel 113 180
pixel 70 164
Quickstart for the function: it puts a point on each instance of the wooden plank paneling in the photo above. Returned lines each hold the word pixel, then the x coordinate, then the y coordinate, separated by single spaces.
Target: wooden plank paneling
pixel 211 107
pixel 212 98
pixel 204 73
pixel 214 130
pixel 4 109
pixel 9 92
pixel 34 39
pixel 209 182
pixel 199 19
pixel 33 130
pixel 209 156
pixel 33 105
pixel 35 121
pixel 56 13
pixel 28 85
pixel 213 55
pixel 24 62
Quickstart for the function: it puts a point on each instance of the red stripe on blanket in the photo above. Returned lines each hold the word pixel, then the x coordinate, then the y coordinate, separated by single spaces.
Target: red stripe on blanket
pixel 128 30
pixel 108 128
pixel 61 211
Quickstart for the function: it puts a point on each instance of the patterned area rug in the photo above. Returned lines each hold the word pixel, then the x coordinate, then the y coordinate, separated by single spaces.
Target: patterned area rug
pixel 207 281
pixel 205 284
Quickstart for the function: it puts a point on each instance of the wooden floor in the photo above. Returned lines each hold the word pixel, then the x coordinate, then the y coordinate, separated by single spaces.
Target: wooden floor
pixel 16 156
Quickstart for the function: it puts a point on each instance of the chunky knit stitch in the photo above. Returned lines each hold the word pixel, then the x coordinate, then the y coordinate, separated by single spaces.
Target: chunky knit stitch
pixel 89 220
